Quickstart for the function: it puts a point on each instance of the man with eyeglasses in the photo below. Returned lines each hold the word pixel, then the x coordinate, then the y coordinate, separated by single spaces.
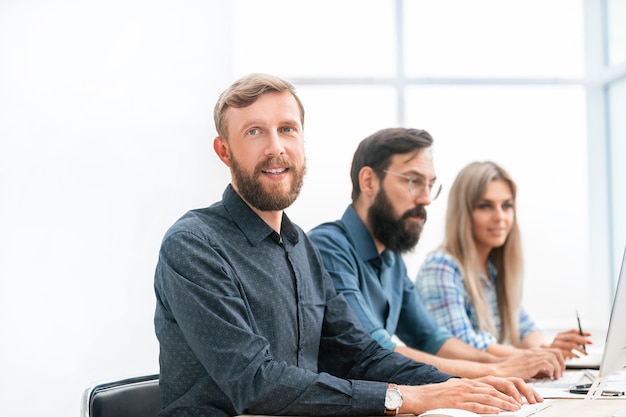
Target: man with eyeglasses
pixel 393 180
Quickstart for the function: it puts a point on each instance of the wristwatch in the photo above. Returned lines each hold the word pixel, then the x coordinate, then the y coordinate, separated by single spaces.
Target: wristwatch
pixel 393 400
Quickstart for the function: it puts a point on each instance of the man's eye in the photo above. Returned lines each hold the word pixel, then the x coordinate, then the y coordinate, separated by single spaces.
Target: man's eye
pixel 507 205
pixel 253 131
pixel 419 181
pixel 287 129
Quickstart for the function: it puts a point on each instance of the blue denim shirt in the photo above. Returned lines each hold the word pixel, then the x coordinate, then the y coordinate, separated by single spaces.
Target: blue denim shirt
pixel 377 287
pixel 250 324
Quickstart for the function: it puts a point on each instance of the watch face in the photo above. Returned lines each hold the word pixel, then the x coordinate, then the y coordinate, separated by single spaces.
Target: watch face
pixel 393 399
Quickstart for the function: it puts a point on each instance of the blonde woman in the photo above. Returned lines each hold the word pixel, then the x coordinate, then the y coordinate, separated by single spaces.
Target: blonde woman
pixel 473 283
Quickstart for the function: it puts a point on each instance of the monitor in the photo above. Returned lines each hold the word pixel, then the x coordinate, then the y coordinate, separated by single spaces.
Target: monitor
pixel 614 356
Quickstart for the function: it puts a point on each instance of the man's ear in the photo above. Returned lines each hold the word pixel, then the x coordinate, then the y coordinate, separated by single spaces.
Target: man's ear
pixel 220 146
pixel 368 181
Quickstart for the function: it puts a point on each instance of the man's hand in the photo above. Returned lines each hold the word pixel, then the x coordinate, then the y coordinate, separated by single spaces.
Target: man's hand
pixel 487 395
pixel 514 387
pixel 535 362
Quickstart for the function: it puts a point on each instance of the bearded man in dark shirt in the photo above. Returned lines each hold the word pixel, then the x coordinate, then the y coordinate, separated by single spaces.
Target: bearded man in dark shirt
pixel 247 318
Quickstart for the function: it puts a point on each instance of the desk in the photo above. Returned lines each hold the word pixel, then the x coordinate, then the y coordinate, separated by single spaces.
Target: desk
pixel 571 408
pixel 582 408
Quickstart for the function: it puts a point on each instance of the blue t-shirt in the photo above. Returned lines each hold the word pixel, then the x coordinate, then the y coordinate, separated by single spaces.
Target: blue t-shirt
pixel 376 286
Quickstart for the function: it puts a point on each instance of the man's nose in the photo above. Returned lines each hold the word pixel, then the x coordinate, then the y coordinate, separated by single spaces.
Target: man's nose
pixel 274 144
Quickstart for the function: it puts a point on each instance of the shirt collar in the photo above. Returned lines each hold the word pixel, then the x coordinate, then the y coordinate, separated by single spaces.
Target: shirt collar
pixel 251 225
pixel 359 235
pixel 492 271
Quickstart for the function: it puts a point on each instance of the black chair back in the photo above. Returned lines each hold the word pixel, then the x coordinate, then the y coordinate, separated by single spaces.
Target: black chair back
pixel 131 397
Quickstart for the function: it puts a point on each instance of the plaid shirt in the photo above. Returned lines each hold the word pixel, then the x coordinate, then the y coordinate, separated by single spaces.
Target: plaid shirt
pixel 440 285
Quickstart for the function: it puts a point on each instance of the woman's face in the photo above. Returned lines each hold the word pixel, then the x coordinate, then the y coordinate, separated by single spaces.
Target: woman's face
pixel 493 216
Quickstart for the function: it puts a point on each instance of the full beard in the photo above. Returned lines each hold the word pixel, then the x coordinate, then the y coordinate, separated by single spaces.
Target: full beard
pixel 275 198
pixel 399 235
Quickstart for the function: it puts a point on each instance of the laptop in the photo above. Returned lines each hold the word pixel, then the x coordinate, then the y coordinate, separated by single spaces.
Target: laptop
pixel 613 354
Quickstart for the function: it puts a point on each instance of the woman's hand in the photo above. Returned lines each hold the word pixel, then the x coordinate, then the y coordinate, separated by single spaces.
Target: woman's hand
pixel 570 341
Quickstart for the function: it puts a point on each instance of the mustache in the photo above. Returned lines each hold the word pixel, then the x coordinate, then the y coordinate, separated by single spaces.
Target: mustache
pixel 419 211
pixel 276 160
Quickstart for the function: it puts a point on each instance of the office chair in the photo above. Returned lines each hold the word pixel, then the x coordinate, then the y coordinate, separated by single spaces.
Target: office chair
pixel 131 397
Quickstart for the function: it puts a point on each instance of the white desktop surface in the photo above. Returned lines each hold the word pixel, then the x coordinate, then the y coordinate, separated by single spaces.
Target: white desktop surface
pixel 583 408
pixel 570 408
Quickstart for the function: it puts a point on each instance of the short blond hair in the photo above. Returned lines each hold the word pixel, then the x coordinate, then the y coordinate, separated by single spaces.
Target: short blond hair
pixel 246 91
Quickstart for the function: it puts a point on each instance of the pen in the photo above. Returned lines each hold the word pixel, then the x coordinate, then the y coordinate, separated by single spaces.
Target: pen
pixel 580 329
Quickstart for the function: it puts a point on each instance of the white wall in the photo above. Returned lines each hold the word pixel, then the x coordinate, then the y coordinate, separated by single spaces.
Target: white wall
pixel 105 139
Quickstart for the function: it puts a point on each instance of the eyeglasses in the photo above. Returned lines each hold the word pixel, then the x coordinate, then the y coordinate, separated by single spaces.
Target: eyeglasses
pixel 418 184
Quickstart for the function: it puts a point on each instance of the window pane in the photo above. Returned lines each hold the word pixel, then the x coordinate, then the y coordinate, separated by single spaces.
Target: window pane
pixel 337 119
pixel 539 135
pixel 616 17
pixel 494 38
pixel 617 109
pixel 314 38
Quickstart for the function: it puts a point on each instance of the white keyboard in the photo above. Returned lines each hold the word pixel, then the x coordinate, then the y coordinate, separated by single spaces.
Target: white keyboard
pixel 526 410
pixel 569 378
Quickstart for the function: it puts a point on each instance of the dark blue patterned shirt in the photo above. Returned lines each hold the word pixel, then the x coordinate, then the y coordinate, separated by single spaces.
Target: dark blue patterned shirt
pixel 249 323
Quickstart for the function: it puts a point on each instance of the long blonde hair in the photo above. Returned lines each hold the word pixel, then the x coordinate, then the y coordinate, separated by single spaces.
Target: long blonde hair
pixel 468 188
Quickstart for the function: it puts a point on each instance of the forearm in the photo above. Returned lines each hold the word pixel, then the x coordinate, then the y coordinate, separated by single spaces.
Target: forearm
pixel 501 351
pixel 454 348
pixel 533 339
pixel 458 367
